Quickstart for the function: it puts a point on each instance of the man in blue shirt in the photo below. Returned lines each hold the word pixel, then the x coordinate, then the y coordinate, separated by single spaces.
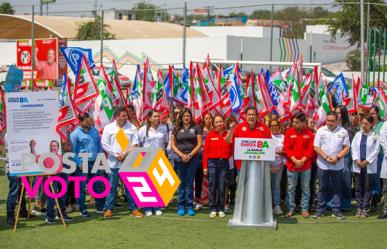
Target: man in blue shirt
pixel 86 139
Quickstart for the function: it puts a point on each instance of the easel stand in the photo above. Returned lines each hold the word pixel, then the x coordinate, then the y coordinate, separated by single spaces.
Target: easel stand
pixel 19 206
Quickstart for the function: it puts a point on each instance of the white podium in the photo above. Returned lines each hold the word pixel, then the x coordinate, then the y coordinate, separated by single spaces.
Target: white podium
pixel 253 206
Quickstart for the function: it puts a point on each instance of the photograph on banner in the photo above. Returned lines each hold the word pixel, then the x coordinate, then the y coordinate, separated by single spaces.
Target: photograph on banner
pixel 49 65
pixel 254 149
pixel 31 122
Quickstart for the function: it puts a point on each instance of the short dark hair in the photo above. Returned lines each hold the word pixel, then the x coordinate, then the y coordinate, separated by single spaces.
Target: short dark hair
pixel 118 111
pixel 369 118
pixel 251 108
pixel 83 116
pixel 54 141
pixel 332 113
pixel 300 116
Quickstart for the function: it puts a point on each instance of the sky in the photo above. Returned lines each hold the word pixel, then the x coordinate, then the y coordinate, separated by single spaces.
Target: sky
pixel 84 7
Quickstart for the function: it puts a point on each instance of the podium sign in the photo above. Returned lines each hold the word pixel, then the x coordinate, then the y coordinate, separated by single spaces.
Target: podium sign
pixel 259 149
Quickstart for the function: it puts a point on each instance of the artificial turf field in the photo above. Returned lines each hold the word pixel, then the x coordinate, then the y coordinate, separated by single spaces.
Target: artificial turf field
pixel 171 231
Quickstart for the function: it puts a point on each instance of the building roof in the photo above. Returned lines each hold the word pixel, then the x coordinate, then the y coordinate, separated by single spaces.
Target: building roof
pixel 19 27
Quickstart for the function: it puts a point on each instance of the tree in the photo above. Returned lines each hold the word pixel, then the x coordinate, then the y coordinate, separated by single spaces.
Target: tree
pixel 234 14
pixel 148 12
pixel 6 8
pixel 260 14
pixel 91 30
pixel 295 16
pixel 347 20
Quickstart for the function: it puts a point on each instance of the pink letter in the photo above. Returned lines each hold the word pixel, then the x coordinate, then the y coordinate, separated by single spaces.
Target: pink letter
pixel 47 188
pixel 91 190
pixel 77 182
pixel 31 192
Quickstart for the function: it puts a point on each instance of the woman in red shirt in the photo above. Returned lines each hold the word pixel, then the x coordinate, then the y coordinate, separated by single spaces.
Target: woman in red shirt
pixel 216 156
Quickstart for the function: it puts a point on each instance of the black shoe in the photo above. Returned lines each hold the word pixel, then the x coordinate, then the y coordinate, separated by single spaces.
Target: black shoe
pixel 338 215
pixel 85 213
pixel 65 217
pixel 50 220
pixel 382 216
pixel 318 215
pixel 11 220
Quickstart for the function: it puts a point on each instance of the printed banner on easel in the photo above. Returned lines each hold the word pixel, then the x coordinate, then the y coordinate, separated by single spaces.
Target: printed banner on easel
pixel 254 149
pixel 31 122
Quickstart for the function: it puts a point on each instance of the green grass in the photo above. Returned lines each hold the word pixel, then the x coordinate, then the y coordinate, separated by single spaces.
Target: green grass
pixel 197 232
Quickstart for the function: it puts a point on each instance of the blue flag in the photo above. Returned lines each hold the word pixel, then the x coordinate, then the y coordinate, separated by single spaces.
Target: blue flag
pixel 74 56
pixel 13 79
pixel 341 89
pixel 231 74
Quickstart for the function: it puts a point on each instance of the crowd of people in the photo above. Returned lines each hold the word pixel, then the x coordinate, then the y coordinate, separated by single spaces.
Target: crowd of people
pixel 315 169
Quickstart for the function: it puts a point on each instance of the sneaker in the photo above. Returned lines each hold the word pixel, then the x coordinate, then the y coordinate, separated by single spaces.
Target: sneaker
pixel 358 213
pixel 159 213
pixel 289 214
pixel 277 210
pixel 338 215
pixel 108 214
pixel 148 213
pixel 305 214
pixel 99 211
pixel 136 213
pixel 228 209
pixel 11 220
pixel 180 212
pixel 382 216
pixel 364 214
pixel 50 221
pixel 68 209
pixel 191 212
pixel 213 214
pixel 198 206
pixel 65 218
pixel 75 207
pixel 222 214
pixel 85 213
pixel 318 215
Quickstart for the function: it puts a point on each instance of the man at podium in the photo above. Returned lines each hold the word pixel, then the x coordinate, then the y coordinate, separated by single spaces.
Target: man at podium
pixel 251 128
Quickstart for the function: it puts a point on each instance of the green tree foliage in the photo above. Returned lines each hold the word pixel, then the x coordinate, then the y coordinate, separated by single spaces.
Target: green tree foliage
pixel 347 20
pixel 6 8
pixel 91 30
pixel 149 12
pixel 260 14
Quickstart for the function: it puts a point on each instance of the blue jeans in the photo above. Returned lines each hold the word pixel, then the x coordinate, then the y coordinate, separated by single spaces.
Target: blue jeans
pixel 186 173
pixel 346 185
pixel 111 198
pixel 292 184
pixel 98 188
pixel 325 177
pixel 217 171
pixel 276 187
pixel 14 188
pixel 363 189
pixel 51 202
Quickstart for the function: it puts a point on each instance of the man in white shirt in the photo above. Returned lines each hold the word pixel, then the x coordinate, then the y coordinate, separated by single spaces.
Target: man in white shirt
pixel 331 143
pixel 116 155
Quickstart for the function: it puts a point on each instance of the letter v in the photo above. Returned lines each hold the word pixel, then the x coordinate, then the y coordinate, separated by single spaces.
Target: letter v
pixel 31 192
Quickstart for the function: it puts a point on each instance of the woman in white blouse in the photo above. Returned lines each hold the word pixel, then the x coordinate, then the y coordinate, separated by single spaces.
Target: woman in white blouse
pixel 154 135
pixel 365 150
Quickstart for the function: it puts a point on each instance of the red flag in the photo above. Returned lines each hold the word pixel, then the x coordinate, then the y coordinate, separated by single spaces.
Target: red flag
pixel 149 83
pixel 119 98
pixel 85 88
pixel 249 96
pixel 224 92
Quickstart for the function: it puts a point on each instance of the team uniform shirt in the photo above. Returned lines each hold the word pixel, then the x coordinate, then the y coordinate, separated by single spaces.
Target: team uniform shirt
pixel 372 146
pixel 298 145
pixel 111 145
pixel 279 160
pixel 242 130
pixel 216 147
pixel 154 138
pixel 332 143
